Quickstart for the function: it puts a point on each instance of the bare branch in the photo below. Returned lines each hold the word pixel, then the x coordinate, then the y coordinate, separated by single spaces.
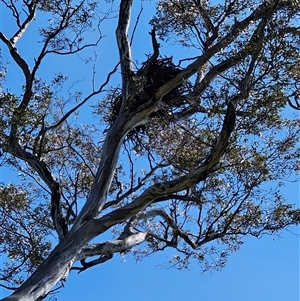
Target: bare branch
pixel 17 58
pixel 193 68
pixel 124 45
pixel 99 260
pixel 210 184
pixel 112 246
pixel 136 23
pixel 168 219
pixel 70 112
pixel 133 189
pixel 179 184
pixel 22 27
pixel 106 250
pixel 43 171
pixel 154 56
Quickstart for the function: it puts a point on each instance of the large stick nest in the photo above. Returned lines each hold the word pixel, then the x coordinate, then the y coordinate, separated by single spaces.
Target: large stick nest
pixel 157 74
pixel 161 71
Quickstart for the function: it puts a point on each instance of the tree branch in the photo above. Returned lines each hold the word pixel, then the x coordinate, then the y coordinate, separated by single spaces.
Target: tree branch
pixel 168 219
pixel 74 109
pixel 16 56
pixel 238 27
pixel 112 246
pixel 42 170
pixel 124 46
pixel 22 27
pixel 179 184
pixel 154 56
pixel 133 189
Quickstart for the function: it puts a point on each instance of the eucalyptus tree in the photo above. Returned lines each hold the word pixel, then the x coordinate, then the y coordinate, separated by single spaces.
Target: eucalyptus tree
pixel 187 153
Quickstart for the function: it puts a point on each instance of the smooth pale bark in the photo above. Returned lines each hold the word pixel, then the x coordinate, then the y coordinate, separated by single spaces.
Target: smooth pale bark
pixel 59 263
pixel 87 226
pixel 113 246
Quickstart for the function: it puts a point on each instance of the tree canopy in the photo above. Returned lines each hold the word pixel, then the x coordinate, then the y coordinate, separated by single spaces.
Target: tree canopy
pixel 186 151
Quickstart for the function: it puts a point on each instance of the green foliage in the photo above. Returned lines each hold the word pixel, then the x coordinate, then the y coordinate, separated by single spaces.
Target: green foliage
pixel 25 231
pixel 206 186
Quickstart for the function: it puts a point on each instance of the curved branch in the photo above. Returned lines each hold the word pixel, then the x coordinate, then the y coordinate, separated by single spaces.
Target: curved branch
pixel 17 57
pixel 89 264
pixel 168 219
pixel 179 184
pixel 22 27
pixel 69 113
pixel 295 106
pixel 112 246
pixel 106 250
pixel 42 170
pixel 28 80
pixel 262 11
pixel 253 47
pixel 141 183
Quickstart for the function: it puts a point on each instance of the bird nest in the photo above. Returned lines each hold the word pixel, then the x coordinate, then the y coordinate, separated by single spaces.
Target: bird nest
pixel 161 71
pixel 157 74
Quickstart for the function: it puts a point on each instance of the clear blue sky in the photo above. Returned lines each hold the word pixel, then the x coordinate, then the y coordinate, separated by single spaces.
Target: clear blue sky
pixel 265 269
pixel 262 270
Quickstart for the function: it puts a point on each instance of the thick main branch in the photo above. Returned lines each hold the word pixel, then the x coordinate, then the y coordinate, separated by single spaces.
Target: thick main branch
pixel 124 45
pixel 179 184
